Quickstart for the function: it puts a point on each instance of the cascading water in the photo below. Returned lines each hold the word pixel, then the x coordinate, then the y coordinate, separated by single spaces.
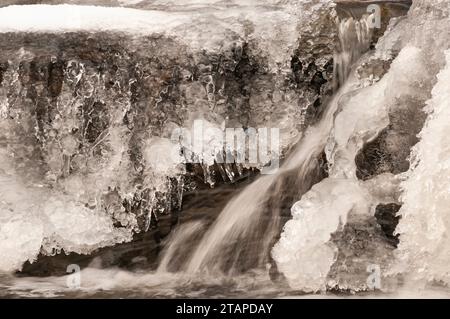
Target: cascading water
pixel 181 235
pixel 245 231
pixel 354 39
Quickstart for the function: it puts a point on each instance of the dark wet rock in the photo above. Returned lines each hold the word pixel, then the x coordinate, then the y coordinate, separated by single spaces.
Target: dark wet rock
pixel 386 215
pixel 124 255
pixel 362 244
pixel 389 151
pixel 372 69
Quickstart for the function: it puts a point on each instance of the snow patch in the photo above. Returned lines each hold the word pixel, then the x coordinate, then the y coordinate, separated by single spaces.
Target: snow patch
pixel 64 18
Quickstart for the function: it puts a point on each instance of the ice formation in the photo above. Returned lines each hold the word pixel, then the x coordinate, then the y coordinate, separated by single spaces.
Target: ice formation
pixel 306 251
pixel 326 208
pixel 423 251
pixel 33 219
pixel 89 97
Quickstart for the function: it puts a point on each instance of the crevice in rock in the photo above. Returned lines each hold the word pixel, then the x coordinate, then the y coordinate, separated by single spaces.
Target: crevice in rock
pixel 386 216
pixel 389 151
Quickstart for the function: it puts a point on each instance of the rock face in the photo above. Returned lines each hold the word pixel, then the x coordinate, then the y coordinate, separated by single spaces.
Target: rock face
pixel 88 109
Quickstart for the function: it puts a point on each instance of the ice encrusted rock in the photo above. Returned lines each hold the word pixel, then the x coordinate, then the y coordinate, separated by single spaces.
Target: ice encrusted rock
pixel 89 97
pixel 329 206
pixel 416 46
pixel 33 217
pixel 423 253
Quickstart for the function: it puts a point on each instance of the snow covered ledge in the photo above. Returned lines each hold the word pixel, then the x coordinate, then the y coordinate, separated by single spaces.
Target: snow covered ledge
pixel 73 18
